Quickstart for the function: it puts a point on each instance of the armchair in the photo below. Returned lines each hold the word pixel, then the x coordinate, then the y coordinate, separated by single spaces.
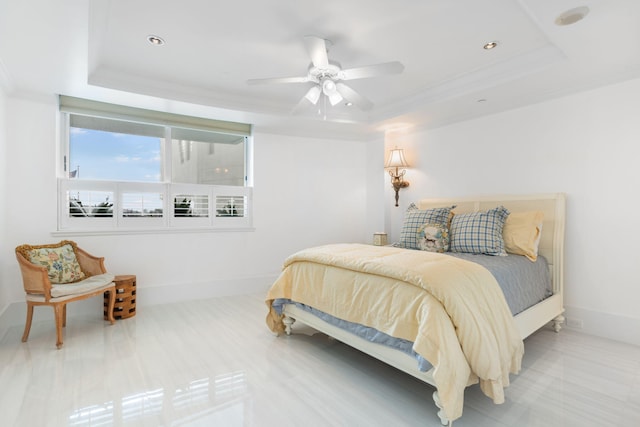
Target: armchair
pixel 60 273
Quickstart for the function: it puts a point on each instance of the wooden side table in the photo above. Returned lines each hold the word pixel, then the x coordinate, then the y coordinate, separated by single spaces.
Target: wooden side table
pixel 125 305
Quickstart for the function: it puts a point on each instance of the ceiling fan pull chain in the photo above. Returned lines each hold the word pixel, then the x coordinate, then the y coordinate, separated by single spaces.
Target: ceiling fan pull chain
pixel 324 106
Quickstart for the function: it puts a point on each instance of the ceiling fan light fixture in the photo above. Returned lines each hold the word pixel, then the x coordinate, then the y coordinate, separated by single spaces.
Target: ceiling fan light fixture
pixel 335 98
pixel 328 87
pixel 330 90
pixel 313 95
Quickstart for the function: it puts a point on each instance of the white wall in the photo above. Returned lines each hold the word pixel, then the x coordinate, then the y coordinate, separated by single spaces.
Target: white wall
pixel 586 145
pixel 5 259
pixel 307 191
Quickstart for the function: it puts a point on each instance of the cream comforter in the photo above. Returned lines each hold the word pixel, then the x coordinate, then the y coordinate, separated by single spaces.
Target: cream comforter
pixel 452 310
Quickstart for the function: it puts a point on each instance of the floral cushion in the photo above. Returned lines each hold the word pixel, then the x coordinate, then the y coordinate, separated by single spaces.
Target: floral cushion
pixel 433 237
pixel 416 218
pixel 60 261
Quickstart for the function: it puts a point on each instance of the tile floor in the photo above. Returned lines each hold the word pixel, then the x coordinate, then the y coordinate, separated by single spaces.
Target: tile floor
pixel 215 363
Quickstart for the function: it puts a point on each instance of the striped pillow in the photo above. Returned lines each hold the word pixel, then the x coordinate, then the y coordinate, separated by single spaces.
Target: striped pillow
pixel 416 218
pixel 479 232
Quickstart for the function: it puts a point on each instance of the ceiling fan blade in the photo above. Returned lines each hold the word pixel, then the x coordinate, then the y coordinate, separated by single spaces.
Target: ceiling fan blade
pixel 317 49
pixel 354 97
pixel 278 80
pixel 372 70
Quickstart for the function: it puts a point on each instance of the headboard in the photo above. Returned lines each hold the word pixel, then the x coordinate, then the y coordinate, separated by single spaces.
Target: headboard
pixel 552 205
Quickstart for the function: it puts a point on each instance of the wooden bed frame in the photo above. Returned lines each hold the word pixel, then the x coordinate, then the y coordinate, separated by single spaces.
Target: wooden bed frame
pixel 549 310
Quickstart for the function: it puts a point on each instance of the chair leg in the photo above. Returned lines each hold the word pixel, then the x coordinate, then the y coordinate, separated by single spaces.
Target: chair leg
pixel 59 312
pixel 64 315
pixel 27 326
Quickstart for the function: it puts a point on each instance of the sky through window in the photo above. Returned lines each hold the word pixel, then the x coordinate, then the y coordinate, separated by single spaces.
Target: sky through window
pixel 100 155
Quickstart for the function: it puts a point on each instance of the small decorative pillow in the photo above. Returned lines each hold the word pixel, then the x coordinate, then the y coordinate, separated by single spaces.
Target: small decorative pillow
pixel 60 261
pixel 479 232
pixel 433 238
pixel 522 232
pixel 416 218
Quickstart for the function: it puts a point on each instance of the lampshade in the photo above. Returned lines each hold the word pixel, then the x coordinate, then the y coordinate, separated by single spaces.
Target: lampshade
pixel 396 159
pixel 328 86
pixel 331 91
pixel 314 94
pixel 335 98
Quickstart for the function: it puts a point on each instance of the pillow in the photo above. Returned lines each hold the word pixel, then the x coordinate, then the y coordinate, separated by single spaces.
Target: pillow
pixel 479 232
pixel 416 218
pixel 60 261
pixel 433 237
pixel 522 232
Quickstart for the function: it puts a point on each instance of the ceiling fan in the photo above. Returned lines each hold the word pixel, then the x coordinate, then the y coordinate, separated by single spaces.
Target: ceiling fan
pixel 327 76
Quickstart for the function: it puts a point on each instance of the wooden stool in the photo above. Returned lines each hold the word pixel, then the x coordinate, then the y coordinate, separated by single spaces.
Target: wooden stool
pixel 125 305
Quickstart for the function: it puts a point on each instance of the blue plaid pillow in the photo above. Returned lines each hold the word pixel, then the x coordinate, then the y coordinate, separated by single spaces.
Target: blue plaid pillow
pixel 479 232
pixel 416 218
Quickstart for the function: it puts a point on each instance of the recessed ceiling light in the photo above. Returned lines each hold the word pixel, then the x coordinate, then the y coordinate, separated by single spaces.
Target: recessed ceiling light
pixel 572 16
pixel 482 100
pixel 490 45
pixel 155 40
pixel 348 104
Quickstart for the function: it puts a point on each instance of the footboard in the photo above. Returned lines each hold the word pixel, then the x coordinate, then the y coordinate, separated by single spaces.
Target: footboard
pixel 388 355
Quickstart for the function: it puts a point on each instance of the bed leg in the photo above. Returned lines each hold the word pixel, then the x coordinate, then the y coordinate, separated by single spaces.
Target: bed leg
pixel 557 323
pixel 443 418
pixel 288 322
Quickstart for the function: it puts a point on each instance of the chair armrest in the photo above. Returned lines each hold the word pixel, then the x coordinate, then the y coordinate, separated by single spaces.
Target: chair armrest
pixel 90 264
pixel 34 277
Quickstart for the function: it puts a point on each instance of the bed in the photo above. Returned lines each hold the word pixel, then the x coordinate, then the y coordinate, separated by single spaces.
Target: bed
pixel 466 331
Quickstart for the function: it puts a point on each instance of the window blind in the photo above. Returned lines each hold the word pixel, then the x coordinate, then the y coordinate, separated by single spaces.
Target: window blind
pixel 88 107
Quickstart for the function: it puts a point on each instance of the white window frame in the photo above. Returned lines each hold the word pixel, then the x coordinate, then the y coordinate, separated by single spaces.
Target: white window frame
pixel 168 222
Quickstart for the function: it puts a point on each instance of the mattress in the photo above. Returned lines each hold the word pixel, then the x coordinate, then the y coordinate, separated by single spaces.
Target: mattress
pixel 524 284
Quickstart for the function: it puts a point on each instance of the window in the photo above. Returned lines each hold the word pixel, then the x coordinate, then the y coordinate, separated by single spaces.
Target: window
pixel 125 168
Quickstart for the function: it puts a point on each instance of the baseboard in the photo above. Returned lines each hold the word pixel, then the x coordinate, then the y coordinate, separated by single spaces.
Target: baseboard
pixel 606 325
pixel 192 291
pixel 14 314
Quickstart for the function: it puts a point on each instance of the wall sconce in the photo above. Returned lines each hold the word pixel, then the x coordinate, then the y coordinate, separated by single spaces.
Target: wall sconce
pixel 396 160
